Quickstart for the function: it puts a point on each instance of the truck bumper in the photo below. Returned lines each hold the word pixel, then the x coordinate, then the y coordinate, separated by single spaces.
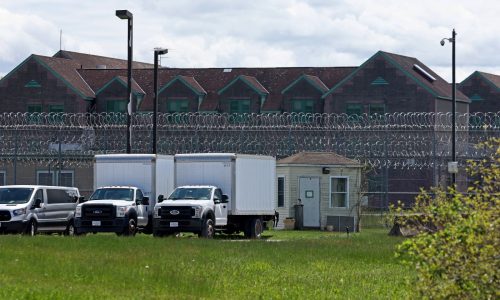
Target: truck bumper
pixel 109 225
pixel 13 226
pixel 166 225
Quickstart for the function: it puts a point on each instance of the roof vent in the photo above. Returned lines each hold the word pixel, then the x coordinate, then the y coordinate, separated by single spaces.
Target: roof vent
pixel 101 67
pixel 424 73
pixel 227 70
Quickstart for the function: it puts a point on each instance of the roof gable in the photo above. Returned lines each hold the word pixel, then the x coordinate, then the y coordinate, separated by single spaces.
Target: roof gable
pixel 190 82
pixel 251 81
pixel 419 73
pixel 490 79
pixel 312 80
pixel 136 88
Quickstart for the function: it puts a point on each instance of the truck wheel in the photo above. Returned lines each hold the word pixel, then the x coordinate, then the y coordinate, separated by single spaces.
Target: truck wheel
pixel 256 228
pixel 32 229
pixel 208 230
pixel 70 229
pixel 131 228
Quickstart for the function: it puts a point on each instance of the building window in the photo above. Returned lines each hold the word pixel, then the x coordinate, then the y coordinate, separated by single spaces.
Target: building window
pixel 354 109
pixel 34 108
pixel 302 106
pixel 56 108
pixel 116 106
pixel 177 105
pixel 281 191
pixel 239 106
pixel 339 192
pixel 3 177
pixel 376 108
pixel 45 177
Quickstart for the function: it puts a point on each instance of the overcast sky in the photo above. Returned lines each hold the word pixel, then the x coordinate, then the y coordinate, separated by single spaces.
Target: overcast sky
pixel 258 33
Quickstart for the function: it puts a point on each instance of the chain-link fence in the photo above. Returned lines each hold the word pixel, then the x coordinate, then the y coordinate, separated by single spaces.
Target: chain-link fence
pixel 416 145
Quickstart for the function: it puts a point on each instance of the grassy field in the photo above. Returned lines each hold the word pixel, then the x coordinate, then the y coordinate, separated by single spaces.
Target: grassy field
pixel 284 265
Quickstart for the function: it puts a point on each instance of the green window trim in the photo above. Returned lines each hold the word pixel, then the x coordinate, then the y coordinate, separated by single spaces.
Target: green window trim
pixel 33 84
pixel 177 105
pixel 239 106
pixel 354 109
pixel 116 106
pixel 56 108
pixel 377 108
pixel 34 108
pixel 379 81
pixel 302 105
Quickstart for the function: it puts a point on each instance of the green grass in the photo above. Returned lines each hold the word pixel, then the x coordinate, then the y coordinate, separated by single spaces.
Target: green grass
pixel 285 265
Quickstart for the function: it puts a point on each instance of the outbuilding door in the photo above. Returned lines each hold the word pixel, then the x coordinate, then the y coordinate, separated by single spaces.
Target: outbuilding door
pixel 309 195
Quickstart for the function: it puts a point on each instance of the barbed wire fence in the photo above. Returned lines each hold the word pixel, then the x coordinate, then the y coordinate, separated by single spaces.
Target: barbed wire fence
pixel 417 142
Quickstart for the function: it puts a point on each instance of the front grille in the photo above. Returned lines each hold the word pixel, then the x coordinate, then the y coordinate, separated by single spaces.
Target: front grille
pixel 98 211
pixel 169 212
pixel 4 215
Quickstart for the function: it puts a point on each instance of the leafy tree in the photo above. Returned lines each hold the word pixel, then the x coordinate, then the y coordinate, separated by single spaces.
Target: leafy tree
pixel 456 252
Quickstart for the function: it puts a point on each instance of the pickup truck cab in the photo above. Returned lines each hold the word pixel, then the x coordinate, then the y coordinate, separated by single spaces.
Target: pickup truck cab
pixel 119 209
pixel 197 208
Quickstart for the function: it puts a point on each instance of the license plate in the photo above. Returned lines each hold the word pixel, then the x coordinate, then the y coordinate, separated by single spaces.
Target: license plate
pixel 174 224
pixel 96 223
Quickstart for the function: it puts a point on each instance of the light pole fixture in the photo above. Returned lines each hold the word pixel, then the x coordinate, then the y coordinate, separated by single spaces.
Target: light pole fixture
pixel 453 164
pixel 157 52
pixel 126 15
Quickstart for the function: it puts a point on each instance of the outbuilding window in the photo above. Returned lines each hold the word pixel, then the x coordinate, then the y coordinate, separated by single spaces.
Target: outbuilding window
pixel 339 192
pixel 2 177
pixel 281 191
pixel 46 177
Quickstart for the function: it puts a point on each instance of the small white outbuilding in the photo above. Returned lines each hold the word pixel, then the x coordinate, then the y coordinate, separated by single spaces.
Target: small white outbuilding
pixel 328 186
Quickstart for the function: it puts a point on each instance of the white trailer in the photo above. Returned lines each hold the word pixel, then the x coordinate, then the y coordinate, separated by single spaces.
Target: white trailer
pixel 241 195
pixel 125 191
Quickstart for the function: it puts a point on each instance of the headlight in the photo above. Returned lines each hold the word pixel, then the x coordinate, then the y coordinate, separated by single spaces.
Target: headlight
pixel 157 212
pixel 120 211
pixel 197 212
pixel 78 212
pixel 19 212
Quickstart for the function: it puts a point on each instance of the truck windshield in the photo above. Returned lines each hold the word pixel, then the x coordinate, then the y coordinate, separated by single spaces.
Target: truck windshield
pixel 113 194
pixel 15 195
pixel 191 193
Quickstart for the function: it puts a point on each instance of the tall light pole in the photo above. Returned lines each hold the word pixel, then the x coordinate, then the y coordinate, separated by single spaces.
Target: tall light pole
pixel 453 165
pixel 126 15
pixel 158 52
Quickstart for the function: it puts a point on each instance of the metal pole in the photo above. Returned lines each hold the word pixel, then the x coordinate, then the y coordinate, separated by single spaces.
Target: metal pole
pixel 453 108
pixel 129 86
pixel 155 100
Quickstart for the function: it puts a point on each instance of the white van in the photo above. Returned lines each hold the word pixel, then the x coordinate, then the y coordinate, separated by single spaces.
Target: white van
pixel 30 209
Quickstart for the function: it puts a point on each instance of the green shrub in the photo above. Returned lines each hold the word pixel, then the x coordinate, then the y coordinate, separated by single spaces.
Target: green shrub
pixel 456 252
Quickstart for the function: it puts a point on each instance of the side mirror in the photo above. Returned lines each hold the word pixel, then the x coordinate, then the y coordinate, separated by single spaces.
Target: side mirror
pixel 161 198
pixel 81 199
pixel 38 203
pixel 145 201
pixel 225 199
pixel 216 200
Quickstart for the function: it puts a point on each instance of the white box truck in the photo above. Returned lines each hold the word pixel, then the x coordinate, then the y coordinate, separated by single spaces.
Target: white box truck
pixel 218 191
pixel 125 189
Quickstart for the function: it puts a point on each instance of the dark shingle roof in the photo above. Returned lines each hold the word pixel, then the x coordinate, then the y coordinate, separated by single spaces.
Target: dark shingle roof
pixel 440 86
pixel 317 158
pixel 89 61
pixel 66 70
pixel 273 80
pixel 495 79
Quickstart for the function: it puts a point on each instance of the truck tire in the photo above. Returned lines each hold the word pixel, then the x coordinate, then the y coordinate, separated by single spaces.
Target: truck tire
pixel 208 229
pixel 131 228
pixel 255 229
pixel 32 228
pixel 70 229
